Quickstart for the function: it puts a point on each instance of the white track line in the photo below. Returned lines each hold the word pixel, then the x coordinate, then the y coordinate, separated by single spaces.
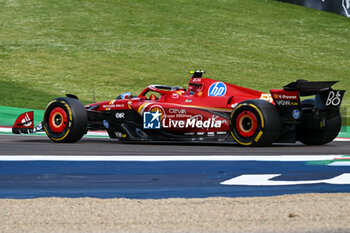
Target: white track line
pixel 342 139
pixel 289 158
pixel 5 129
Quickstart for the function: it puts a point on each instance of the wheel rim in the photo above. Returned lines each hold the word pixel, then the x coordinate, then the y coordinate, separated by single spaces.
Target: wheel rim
pixel 58 120
pixel 246 124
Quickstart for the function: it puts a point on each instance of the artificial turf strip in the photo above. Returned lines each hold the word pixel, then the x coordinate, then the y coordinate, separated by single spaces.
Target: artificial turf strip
pixel 50 48
pixel 8 115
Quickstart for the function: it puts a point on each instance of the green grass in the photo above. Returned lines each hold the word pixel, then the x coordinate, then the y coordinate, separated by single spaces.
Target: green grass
pixel 49 48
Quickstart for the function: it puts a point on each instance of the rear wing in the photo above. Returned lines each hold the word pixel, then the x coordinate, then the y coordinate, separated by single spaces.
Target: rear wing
pixel 306 88
pixel 325 96
pixel 288 101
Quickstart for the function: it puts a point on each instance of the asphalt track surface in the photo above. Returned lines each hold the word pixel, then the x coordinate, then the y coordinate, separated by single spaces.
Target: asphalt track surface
pixel 166 179
pixel 158 179
pixel 41 145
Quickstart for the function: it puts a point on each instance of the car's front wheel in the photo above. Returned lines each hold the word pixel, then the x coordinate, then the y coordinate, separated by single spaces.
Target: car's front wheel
pixel 65 120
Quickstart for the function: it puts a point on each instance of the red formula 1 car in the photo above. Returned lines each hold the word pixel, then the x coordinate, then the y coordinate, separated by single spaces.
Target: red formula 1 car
pixel 207 110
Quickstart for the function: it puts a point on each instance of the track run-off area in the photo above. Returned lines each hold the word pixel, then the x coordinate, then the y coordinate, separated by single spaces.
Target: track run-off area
pixel 34 166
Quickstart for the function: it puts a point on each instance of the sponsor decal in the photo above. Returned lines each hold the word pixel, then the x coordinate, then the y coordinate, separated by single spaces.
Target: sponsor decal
pixel 119 115
pixel 283 102
pixel 188 101
pixel 193 122
pixel 221 132
pixel 105 124
pixel 177 111
pixel 296 114
pixel 196 80
pixel 175 95
pixel 217 89
pixel 151 120
pixel 113 106
pixel 334 98
pixel 267 97
pixel 154 118
pixel 285 97
pixel 287 103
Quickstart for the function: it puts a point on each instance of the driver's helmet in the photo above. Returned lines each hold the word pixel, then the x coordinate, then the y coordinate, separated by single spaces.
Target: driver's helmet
pixel 126 95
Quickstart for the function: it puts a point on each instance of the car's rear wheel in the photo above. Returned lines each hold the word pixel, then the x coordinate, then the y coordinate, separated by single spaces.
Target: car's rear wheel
pixel 65 120
pixel 255 123
pixel 316 131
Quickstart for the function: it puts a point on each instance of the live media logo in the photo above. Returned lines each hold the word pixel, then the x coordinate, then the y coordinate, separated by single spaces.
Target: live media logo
pixel 151 120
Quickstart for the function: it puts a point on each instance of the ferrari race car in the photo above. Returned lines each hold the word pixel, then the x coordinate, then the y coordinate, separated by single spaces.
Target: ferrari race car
pixel 207 110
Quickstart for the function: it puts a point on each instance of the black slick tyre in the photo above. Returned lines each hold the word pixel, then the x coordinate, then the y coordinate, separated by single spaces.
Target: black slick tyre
pixel 255 123
pixel 316 131
pixel 65 120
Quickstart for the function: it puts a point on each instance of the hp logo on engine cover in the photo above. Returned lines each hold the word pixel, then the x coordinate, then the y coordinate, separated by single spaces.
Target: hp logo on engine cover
pixel 217 89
